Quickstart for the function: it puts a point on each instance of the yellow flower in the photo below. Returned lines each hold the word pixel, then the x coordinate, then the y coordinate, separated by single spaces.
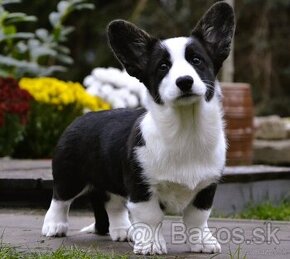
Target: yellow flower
pixel 60 94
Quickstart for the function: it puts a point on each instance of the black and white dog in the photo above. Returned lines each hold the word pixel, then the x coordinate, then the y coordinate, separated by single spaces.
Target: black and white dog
pixel 136 164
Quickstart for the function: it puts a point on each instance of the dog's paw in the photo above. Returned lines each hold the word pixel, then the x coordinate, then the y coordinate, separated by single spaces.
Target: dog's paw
pixel 211 246
pixel 119 234
pixel 153 247
pixel 89 229
pixel 54 229
pixel 56 219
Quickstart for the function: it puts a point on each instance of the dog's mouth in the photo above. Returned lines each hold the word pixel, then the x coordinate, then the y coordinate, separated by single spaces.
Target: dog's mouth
pixel 187 95
pixel 187 98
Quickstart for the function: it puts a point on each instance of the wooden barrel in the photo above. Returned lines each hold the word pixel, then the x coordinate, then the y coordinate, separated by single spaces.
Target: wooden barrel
pixel 238 115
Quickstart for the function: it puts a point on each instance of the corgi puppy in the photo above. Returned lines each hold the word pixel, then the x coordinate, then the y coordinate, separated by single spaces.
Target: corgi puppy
pixel 138 164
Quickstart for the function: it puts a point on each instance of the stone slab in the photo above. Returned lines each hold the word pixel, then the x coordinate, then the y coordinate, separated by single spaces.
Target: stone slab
pixel 25 169
pixel 276 152
pixel 270 127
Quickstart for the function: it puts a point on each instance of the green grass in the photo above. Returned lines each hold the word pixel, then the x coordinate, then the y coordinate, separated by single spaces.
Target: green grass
pixel 7 252
pixel 263 211
pixel 267 211
pixel 237 254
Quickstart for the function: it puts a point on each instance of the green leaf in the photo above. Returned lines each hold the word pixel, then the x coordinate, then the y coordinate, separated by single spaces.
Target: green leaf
pixel 12 18
pixel 11 1
pixel 9 29
pixel 42 34
pixel 62 6
pixel 65 59
pixel 67 30
pixel 21 47
pixel 52 69
pixel 9 61
pixel 54 18
pixel 31 68
pixel 77 1
pixel 19 35
pixel 4 73
pixel 63 49
pixel 84 6
pixel 43 51
pixel 33 43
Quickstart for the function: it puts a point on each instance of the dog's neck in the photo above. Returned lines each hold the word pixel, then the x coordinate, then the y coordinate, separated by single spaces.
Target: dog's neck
pixel 174 122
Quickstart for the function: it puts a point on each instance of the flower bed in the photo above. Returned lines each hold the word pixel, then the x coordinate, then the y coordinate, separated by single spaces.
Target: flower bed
pixel 34 114
pixel 55 105
pixel 59 94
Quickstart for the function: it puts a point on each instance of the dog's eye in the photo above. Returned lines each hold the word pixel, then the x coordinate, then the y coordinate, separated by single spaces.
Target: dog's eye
pixel 196 61
pixel 164 66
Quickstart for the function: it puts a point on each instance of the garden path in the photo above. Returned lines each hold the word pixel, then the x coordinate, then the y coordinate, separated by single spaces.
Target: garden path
pixel 31 181
pixel 21 228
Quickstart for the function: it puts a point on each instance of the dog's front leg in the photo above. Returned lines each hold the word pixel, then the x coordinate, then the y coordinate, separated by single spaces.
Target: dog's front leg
pixel 146 217
pixel 195 219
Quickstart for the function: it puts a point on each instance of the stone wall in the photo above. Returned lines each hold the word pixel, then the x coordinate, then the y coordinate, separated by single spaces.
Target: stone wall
pixel 272 140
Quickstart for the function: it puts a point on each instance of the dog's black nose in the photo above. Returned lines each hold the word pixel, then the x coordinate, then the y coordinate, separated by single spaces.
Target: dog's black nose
pixel 184 83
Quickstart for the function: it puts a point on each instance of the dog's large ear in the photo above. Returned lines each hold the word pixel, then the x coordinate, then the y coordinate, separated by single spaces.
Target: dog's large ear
pixel 131 46
pixel 216 30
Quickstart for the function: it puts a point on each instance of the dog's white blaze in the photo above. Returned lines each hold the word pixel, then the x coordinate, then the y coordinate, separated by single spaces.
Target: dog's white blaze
pixel 180 67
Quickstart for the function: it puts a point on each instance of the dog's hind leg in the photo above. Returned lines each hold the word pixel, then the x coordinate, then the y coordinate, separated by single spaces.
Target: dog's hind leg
pixel 118 218
pixel 101 225
pixel 56 219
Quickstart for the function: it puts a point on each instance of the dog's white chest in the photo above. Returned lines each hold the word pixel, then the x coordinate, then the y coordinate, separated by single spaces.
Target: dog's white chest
pixel 173 197
pixel 185 153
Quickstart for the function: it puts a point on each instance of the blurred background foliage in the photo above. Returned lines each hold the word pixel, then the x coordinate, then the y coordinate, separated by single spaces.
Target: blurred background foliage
pixel 262 41
pixel 40 52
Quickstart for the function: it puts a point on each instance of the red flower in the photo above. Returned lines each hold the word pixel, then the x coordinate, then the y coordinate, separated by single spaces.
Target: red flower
pixel 13 100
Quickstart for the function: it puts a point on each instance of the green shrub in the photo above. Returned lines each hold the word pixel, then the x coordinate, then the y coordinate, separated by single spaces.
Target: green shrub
pixel 39 53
